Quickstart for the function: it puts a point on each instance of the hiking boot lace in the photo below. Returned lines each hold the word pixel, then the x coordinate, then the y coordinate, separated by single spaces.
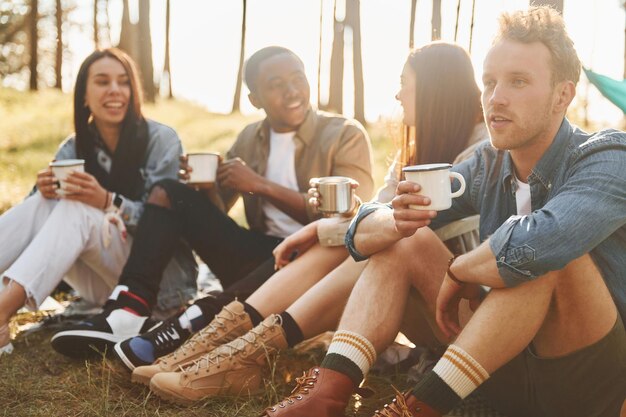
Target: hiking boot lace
pixel 397 408
pixel 219 322
pixel 303 384
pixel 229 350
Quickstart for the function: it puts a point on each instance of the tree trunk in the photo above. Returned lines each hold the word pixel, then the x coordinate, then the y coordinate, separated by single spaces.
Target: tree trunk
pixel 471 37
pixel 34 40
pixel 456 24
pixel 319 59
pixel 412 24
pixel 335 96
pixel 353 17
pixel 242 46
pixel 58 65
pixel 436 20
pixel 128 33
pixel 96 41
pixel 555 4
pixel 145 51
pixel 167 72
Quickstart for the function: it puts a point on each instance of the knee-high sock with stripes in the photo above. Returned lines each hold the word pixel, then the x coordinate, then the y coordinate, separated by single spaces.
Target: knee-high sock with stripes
pixel 351 354
pixel 453 378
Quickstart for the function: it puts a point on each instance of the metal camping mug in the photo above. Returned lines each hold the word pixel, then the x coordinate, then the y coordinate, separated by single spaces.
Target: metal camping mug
pixel 336 194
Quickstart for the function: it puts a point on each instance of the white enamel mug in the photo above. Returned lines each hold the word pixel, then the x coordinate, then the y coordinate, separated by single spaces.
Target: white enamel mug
pixel 204 167
pixel 435 180
pixel 61 169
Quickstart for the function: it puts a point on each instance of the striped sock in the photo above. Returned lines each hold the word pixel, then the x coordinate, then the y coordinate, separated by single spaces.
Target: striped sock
pixel 460 371
pixel 351 354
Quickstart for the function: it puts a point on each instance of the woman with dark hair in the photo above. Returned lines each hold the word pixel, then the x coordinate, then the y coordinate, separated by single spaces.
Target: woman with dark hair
pixel 79 232
pixel 443 117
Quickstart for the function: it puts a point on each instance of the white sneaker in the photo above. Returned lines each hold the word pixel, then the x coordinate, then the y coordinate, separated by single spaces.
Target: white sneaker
pixel 5 340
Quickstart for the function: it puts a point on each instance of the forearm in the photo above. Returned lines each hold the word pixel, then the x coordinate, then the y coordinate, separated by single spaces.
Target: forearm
pixel 287 200
pixel 478 267
pixel 376 232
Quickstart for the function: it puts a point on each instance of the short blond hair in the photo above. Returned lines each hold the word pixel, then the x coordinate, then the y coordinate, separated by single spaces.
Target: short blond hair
pixel 543 24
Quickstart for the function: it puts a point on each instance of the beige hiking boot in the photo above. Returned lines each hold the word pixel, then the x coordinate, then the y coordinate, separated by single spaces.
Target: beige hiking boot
pixel 232 369
pixel 229 324
pixel 5 340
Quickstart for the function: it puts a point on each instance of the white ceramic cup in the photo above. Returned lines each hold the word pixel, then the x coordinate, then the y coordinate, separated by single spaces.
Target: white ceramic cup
pixel 336 194
pixel 61 169
pixel 204 167
pixel 435 180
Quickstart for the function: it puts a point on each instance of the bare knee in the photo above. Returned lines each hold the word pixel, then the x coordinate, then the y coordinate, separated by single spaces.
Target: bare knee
pixel 159 197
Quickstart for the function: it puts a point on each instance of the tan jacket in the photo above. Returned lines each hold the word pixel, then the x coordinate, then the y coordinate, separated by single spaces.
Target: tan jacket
pixel 326 144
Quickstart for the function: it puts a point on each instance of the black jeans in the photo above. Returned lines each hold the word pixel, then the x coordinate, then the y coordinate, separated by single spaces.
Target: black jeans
pixel 230 251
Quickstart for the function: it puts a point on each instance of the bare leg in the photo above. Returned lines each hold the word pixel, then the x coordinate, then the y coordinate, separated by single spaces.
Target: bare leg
pixel 320 308
pixel 290 282
pixel 377 303
pixel 12 298
pixel 559 313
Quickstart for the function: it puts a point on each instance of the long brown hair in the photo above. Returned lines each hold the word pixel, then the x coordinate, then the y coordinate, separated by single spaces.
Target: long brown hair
pixel 125 176
pixel 447 105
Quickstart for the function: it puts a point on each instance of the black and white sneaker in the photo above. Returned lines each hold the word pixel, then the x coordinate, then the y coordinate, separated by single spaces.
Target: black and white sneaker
pixel 122 318
pixel 147 348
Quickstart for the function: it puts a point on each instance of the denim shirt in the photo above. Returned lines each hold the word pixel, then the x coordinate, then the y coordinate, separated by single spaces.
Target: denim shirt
pixel 578 202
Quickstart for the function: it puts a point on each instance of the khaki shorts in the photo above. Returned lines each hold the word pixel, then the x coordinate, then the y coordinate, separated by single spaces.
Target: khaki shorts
pixel 590 382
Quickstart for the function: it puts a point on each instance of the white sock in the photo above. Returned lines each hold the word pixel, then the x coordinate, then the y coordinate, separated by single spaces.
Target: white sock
pixel 460 371
pixel 354 347
pixel 188 315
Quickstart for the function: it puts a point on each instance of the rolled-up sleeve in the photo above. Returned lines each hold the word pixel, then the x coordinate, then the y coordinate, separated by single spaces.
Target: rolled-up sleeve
pixel 162 162
pixel 589 207
pixel 364 211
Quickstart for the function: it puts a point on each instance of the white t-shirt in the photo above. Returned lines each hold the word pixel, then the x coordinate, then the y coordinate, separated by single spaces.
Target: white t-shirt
pixel 281 170
pixel 522 198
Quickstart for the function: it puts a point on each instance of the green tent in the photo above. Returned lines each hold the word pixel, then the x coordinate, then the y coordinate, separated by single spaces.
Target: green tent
pixel 612 89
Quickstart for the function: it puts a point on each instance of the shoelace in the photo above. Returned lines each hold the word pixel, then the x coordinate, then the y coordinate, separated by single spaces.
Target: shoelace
pixel 228 350
pixel 303 384
pixel 166 337
pixel 218 323
pixel 397 408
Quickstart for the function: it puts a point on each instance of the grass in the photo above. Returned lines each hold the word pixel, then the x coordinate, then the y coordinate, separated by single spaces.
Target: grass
pixel 36 381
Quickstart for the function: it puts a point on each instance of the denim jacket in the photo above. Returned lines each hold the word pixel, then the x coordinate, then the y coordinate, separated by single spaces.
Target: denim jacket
pixel 161 161
pixel 578 199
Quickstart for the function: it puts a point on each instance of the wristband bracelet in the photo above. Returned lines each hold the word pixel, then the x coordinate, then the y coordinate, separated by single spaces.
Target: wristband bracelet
pixel 449 272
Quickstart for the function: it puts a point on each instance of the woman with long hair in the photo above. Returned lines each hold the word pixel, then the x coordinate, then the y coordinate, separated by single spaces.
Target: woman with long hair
pixel 443 117
pixel 79 232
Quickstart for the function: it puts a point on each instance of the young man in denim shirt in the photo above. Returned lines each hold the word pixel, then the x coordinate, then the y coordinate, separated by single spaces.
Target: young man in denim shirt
pixel 548 339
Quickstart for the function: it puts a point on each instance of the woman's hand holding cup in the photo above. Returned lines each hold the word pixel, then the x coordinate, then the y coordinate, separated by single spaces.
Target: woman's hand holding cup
pixel 47 184
pixel 84 187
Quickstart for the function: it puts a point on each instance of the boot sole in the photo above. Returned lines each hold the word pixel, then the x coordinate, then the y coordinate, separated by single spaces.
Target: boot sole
pixel 140 379
pixel 170 396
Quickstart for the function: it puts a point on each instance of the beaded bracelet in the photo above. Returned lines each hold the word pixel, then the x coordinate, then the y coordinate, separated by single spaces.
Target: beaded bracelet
pixel 450 274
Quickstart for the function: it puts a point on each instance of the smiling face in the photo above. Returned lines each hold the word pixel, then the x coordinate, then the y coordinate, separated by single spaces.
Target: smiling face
pixel 406 94
pixel 282 90
pixel 521 105
pixel 108 92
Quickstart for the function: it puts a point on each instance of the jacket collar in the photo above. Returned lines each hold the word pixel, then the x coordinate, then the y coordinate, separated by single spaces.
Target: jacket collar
pixel 547 166
pixel 306 131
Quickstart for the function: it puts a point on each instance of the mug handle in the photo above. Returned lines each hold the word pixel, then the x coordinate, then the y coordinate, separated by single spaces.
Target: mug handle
pixel 461 190
pixel 314 182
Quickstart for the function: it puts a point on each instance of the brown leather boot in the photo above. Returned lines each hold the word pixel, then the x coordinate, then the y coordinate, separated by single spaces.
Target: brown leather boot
pixel 319 393
pixel 406 405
